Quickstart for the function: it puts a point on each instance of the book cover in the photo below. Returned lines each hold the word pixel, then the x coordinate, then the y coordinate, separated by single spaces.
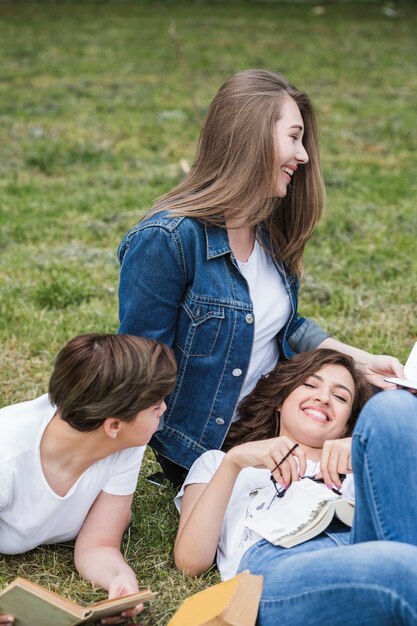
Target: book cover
pixel 33 605
pixel 234 602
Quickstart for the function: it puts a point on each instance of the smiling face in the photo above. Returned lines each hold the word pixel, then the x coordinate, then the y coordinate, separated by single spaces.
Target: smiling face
pixel 288 142
pixel 319 408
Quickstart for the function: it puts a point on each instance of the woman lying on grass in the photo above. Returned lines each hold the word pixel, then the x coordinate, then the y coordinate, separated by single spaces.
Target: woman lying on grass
pixel 341 577
pixel 70 460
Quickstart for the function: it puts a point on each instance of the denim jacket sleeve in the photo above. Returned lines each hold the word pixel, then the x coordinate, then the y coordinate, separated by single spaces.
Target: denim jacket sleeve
pixel 304 334
pixel 152 282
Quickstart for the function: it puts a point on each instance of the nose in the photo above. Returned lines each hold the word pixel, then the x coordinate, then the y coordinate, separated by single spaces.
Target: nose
pixel 323 395
pixel 301 154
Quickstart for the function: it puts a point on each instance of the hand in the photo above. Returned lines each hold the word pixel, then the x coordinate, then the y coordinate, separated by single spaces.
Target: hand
pixel 269 453
pixel 375 366
pixel 6 620
pixel 378 366
pixel 122 585
pixel 335 460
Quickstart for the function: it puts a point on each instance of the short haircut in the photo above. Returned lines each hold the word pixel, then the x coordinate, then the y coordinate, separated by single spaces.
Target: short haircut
pixel 97 376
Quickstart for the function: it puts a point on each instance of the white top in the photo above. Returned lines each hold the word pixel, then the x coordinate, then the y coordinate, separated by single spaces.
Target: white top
pixel 235 537
pixel 31 513
pixel 271 308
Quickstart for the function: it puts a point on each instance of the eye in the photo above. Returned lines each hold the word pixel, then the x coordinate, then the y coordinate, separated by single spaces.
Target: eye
pixel 309 385
pixel 340 398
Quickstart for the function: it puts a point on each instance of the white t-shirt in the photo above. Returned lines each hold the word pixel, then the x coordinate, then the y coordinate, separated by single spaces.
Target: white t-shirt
pixel 235 537
pixel 271 309
pixel 31 513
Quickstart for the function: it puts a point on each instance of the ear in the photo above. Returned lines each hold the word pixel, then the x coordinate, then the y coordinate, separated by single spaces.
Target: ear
pixel 112 427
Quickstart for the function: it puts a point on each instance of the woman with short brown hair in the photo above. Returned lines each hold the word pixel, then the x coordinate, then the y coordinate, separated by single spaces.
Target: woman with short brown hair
pixel 70 459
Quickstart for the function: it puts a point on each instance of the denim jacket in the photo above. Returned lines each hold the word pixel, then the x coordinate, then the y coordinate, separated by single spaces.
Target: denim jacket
pixel 180 284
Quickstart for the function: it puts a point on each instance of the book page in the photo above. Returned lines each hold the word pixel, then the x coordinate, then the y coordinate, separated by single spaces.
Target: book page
pixel 345 511
pixel 410 372
pixel 303 504
pixel 410 368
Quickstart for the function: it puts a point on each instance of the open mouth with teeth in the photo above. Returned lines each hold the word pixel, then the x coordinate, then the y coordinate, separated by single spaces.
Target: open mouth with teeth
pixel 288 172
pixel 317 415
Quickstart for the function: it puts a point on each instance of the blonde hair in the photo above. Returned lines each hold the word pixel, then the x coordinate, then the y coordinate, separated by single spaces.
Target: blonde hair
pixel 234 171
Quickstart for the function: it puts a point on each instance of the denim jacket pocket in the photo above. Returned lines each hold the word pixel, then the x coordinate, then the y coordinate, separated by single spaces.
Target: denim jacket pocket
pixel 199 325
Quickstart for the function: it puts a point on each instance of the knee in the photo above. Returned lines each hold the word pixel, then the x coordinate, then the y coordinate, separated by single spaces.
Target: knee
pixel 388 410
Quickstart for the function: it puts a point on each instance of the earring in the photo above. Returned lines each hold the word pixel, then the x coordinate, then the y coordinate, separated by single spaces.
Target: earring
pixel 114 435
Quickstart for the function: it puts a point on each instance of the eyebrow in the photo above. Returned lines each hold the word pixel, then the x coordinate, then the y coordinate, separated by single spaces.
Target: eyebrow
pixel 336 384
pixel 297 126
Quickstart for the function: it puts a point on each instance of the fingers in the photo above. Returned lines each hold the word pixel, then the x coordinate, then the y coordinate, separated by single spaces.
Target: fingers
pixel 397 367
pixel 133 612
pixel 122 617
pixel 116 619
pixel 6 620
pixel 286 470
pixel 302 460
pixel 335 460
pixel 380 366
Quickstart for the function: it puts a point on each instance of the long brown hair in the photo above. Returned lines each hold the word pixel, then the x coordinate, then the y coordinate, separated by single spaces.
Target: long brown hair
pixel 258 416
pixel 235 168
pixel 96 376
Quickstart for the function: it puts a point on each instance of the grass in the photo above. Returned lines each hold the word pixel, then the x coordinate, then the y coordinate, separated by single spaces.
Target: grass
pixel 99 102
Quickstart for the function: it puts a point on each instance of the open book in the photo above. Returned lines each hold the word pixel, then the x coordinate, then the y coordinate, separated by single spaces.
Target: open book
pixel 306 509
pixel 410 372
pixel 231 603
pixel 32 605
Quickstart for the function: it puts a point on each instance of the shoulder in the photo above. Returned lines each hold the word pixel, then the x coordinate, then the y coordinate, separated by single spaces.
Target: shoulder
pixel 21 424
pixel 177 230
pixel 200 472
pixel 205 466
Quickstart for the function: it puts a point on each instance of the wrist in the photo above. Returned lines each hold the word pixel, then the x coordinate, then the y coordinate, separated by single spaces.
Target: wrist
pixel 233 460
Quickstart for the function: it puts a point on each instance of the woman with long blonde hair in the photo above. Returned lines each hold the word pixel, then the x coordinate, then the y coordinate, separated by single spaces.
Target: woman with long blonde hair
pixel 213 270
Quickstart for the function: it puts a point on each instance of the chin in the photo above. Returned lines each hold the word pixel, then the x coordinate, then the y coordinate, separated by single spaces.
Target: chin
pixel 281 193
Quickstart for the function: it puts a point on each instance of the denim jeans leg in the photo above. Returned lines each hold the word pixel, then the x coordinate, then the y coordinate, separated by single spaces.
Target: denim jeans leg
pixel 384 453
pixel 369 584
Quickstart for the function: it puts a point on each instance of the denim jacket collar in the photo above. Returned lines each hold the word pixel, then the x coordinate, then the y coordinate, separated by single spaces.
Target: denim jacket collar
pixel 217 241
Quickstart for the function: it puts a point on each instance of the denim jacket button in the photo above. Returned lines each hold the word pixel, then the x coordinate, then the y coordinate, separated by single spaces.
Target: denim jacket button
pixel 249 318
pixel 219 421
pixel 237 372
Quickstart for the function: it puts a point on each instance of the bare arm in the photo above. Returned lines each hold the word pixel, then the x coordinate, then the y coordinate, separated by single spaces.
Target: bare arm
pixel 204 505
pixel 202 513
pixel 374 366
pixel 97 553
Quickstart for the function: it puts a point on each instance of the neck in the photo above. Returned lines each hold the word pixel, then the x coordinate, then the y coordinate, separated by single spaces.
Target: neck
pixel 62 446
pixel 313 454
pixel 241 240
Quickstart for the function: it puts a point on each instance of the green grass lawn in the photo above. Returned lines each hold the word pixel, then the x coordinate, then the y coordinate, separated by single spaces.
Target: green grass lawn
pixel 100 101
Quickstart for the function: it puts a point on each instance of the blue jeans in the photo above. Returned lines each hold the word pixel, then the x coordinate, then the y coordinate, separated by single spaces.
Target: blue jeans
pixel 372 581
